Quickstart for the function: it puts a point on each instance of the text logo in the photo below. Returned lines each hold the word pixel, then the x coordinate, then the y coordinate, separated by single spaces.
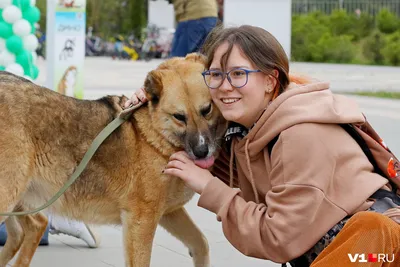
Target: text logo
pixel 371 257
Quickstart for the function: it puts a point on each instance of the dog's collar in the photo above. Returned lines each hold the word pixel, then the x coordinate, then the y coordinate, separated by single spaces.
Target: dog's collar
pixel 126 113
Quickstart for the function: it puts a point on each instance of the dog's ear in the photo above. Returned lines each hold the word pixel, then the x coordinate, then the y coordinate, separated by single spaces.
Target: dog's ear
pixel 196 57
pixel 153 86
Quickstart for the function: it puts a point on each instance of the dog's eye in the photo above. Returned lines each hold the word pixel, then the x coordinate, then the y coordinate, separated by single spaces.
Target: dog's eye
pixel 205 111
pixel 180 117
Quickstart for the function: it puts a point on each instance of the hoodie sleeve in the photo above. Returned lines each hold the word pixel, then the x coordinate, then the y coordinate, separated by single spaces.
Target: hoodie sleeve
pixel 283 229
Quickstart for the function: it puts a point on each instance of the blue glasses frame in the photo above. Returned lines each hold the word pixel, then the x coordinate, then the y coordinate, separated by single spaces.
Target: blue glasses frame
pixel 227 75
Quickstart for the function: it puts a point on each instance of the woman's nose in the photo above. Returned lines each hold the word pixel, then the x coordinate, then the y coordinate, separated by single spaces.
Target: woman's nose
pixel 226 85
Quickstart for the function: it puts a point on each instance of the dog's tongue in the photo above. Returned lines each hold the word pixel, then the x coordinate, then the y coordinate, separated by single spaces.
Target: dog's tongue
pixel 205 163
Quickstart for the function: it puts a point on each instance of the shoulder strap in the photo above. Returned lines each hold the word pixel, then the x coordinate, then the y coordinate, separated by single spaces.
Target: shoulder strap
pixel 349 128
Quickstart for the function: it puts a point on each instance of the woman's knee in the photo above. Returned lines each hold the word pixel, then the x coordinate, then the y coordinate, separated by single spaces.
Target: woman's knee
pixel 369 220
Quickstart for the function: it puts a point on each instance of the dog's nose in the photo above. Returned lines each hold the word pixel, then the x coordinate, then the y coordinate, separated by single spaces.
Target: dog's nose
pixel 200 151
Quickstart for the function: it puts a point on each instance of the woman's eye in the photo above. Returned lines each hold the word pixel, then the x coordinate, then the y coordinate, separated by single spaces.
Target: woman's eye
pixel 238 73
pixel 215 74
pixel 205 111
pixel 180 117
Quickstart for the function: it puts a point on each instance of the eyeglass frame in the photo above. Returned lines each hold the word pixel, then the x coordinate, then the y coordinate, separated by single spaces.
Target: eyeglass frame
pixel 226 76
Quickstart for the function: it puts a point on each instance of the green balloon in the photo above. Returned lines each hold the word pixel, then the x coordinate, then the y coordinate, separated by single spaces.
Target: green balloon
pixel 2 68
pixel 14 44
pixel 31 71
pixel 32 14
pixel 5 30
pixel 1 15
pixel 25 59
pixel 22 4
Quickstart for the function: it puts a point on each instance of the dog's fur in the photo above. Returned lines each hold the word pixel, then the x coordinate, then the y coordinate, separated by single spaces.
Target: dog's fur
pixel 44 135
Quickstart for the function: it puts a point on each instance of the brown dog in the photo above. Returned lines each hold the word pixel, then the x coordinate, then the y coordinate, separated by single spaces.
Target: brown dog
pixel 44 135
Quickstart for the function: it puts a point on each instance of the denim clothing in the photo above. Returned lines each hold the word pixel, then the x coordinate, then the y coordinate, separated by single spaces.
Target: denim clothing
pixel 3 236
pixel 190 35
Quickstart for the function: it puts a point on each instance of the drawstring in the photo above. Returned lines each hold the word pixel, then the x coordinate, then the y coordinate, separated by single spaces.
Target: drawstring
pixel 231 165
pixel 253 185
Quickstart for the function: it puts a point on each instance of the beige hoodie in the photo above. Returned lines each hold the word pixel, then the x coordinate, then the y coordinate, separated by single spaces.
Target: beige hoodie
pixel 315 176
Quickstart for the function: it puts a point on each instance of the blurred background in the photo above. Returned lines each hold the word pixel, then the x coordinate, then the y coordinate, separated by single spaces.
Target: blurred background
pixel 331 31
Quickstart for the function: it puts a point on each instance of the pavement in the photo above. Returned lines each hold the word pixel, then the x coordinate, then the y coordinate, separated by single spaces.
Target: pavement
pixel 104 76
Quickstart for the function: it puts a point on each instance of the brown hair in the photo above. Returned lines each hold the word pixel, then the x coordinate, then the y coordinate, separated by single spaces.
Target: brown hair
pixel 260 46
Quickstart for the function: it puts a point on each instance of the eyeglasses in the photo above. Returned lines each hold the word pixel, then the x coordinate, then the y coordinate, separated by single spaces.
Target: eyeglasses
pixel 237 77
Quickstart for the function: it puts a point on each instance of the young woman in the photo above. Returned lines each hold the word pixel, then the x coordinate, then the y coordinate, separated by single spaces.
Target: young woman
pixel 305 184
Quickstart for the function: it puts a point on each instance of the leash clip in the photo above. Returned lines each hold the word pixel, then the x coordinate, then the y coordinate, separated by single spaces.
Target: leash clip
pixel 126 113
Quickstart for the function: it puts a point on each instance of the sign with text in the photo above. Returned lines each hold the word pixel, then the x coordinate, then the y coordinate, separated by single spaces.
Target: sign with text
pixel 66 30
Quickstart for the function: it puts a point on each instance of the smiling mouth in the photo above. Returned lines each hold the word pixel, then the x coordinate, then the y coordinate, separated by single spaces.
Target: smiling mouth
pixel 229 100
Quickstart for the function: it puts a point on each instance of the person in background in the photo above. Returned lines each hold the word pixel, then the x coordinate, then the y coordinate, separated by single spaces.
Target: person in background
pixel 60 225
pixel 195 20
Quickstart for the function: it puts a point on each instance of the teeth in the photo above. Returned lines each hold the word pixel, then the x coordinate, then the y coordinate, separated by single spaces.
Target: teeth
pixel 229 100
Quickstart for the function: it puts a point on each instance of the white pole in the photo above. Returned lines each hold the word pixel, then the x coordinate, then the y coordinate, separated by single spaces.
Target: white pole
pixel 65 46
pixel 341 4
pixel 273 15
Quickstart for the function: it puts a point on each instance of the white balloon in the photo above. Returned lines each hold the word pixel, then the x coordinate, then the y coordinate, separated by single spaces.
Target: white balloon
pixel 30 42
pixel 11 14
pixel 34 57
pixel 5 3
pixel 33 2
pixel 22 28
pixel 16 69
pixel 6 58
pixel 2 44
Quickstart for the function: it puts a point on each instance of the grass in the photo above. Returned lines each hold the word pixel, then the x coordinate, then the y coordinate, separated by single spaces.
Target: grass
pixel 380 94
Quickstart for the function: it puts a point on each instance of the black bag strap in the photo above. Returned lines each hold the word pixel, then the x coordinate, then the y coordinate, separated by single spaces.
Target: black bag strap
pixel 380 193
pixel 301 261
pixel 349 128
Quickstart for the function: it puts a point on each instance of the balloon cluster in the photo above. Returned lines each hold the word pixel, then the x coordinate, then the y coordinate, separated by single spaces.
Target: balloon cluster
pixel 18 41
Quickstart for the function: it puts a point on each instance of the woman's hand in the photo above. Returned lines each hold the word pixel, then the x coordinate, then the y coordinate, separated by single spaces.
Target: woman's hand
pixel 181 166
pixel 137 96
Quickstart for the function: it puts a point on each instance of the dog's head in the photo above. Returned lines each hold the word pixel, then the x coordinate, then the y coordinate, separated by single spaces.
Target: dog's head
pixel 181 109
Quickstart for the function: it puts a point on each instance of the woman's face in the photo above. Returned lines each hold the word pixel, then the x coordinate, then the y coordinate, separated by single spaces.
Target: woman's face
pixel 242 105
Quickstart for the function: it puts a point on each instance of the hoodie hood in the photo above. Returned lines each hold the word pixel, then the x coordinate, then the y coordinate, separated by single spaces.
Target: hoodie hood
pixel 309 103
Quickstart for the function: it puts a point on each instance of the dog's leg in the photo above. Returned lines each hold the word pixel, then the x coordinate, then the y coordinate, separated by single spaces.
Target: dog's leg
pixel 33 227
pixel 180 225
pixel 138 228
pixel 15 236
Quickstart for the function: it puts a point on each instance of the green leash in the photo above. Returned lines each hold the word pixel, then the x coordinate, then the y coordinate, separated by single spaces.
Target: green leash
pixel 122 117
